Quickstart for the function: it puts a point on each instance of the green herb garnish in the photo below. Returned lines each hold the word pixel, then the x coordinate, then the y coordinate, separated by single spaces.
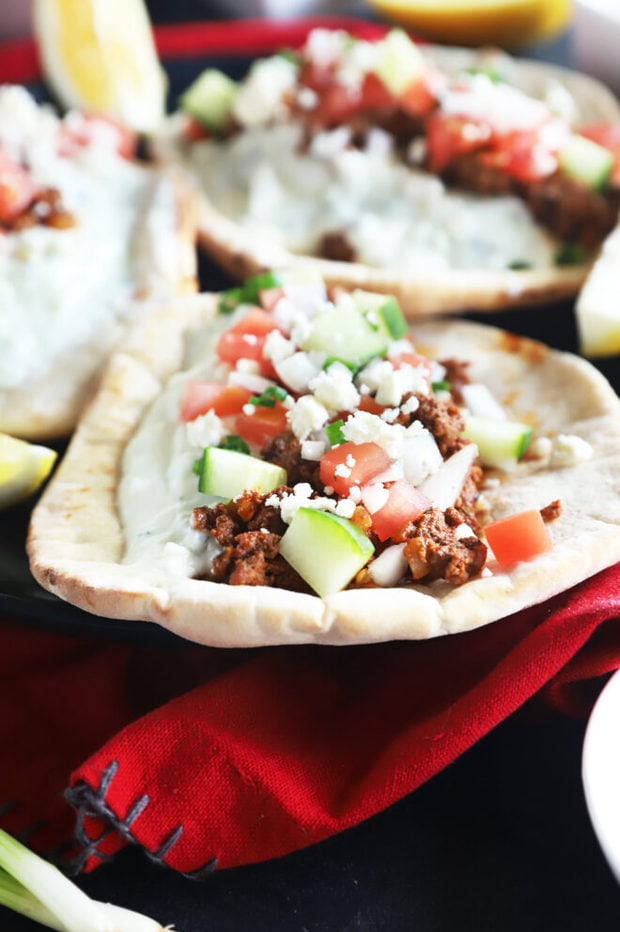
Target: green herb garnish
pixel 249 292
pixel 269 397
pixel 441 386
pixel 570 254
pixel 519 265
pixel 233 442
pixel 334 432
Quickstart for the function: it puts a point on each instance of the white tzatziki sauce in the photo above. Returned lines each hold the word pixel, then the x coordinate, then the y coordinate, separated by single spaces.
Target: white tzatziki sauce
pixel 394 216
pixel 67 288
pixel 158 489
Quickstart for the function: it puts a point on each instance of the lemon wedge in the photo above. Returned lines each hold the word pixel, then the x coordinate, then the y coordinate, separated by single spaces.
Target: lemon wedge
pixel 597 309
pixel 23 468
pixel 100 55
pixel 507 23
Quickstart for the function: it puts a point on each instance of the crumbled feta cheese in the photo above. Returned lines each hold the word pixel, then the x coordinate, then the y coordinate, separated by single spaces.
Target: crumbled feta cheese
pixel 355 494
pixel 334 388
pixel 462 531
pixel 307 98
pixel 541 448
pixel 390 415
pixel 372 374
pixel 302 497
pixel 313 449
pixel 307 415
pixel 276 347
pixel 420 454
pixel 260 97
pixel 330 144
pixel 363 427
pixel 249 409
pixel 205 431
pixel 397 383
pixel 410 406
pixel 297 371
pixel 345 508
pixel 342 471
pixel 248 365
pixel 568 450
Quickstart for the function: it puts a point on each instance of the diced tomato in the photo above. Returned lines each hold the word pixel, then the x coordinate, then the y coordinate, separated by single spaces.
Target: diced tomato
pixel 17 188
pixel 370 405
pixel 374 94
pixel 84 130
pixel 518 537
pixel 352 464
pixel 269 297
pixel 412 359
pixel 246 339
pixel 337 103
pixel 199 397
pixel 417 98
pixel 262 425
pixel 449 136
pixel 523 156
pixel 193 130
pixel 607 135
pixel 405 503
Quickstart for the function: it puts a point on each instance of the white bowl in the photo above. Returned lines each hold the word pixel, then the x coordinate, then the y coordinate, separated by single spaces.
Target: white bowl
pixel 601 771
pixel 596 40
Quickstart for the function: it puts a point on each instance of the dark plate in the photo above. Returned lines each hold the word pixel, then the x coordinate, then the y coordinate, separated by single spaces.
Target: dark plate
pixel 21 596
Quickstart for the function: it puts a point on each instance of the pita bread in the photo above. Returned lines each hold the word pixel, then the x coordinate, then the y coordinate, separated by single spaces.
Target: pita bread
pixel 243 252
pixel 155 225
pixel 76 541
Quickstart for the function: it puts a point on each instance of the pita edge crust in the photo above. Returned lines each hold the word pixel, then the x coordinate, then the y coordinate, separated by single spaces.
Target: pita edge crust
pixel 75 541
pixel 241 253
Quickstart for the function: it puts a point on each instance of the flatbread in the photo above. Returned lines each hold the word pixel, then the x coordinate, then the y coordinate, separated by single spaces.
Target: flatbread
pixel 242 252
pixel 76 540
pixel 157 235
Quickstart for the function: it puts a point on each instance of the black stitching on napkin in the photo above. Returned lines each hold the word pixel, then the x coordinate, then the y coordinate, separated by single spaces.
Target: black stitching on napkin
pixel 88 802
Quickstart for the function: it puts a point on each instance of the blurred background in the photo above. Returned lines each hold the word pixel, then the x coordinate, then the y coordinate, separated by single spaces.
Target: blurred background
pixel 589 30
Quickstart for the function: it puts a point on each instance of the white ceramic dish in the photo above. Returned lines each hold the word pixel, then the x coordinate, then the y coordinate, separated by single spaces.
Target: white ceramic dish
pixel 601 771
pixel 596 40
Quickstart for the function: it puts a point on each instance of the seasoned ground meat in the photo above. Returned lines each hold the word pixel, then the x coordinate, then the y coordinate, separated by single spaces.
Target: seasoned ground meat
pixel 551 511
pixel 433 550
pixel 248 532
pixel 466 502
pixel 45 209
pixel 443 419
pixel 285 451
pixel 335 246
pixel 457 374
pixel 567 208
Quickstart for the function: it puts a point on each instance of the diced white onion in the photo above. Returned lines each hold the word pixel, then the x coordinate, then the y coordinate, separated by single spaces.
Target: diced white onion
pixel 445 485
pixel 389 567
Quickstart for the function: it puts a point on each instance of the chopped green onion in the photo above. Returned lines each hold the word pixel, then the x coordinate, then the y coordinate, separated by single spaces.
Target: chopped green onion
pixel 35 888
pixel 231 442
pixel 570 254
pixel 289 55
pixel 334 432
pixel 249 292
pixel 519 265
pixel 490 73
pixel 269 397
pixel 441 386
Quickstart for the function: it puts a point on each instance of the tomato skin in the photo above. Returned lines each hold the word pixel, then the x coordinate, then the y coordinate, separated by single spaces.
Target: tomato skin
pixel 607 135
pixel 194 131
pixel 17 188
pixel 262 425
pixel 246 339
pixel 449 136
pixel 518 537
pixel 199 397
pixel 522 156
pixel 405 503
pixel 337 103
pixel 367 461
pixel 77 134
pixel 370 405
pixel 417 98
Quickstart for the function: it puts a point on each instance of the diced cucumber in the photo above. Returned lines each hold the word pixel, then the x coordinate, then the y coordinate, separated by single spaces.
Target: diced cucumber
pixel 226 473
pixel 344 333
pixel 210 99
pixel 586 161
pixel 500 443
pixel 325 549
pixel 382 311
pixel 399 62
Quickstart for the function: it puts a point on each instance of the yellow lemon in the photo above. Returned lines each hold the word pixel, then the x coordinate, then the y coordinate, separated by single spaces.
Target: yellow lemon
pixel 507 23
pixel 23 468
pixel 100 55
pixel 597 309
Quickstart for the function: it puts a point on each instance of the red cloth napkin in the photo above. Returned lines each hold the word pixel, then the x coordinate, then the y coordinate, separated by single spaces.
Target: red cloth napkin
pixel 213 758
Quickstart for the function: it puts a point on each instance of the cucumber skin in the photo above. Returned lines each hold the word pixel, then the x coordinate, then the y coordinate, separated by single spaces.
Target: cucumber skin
pixel 220 470
pixel 587 162
pixel 498 442
pixel 325 549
